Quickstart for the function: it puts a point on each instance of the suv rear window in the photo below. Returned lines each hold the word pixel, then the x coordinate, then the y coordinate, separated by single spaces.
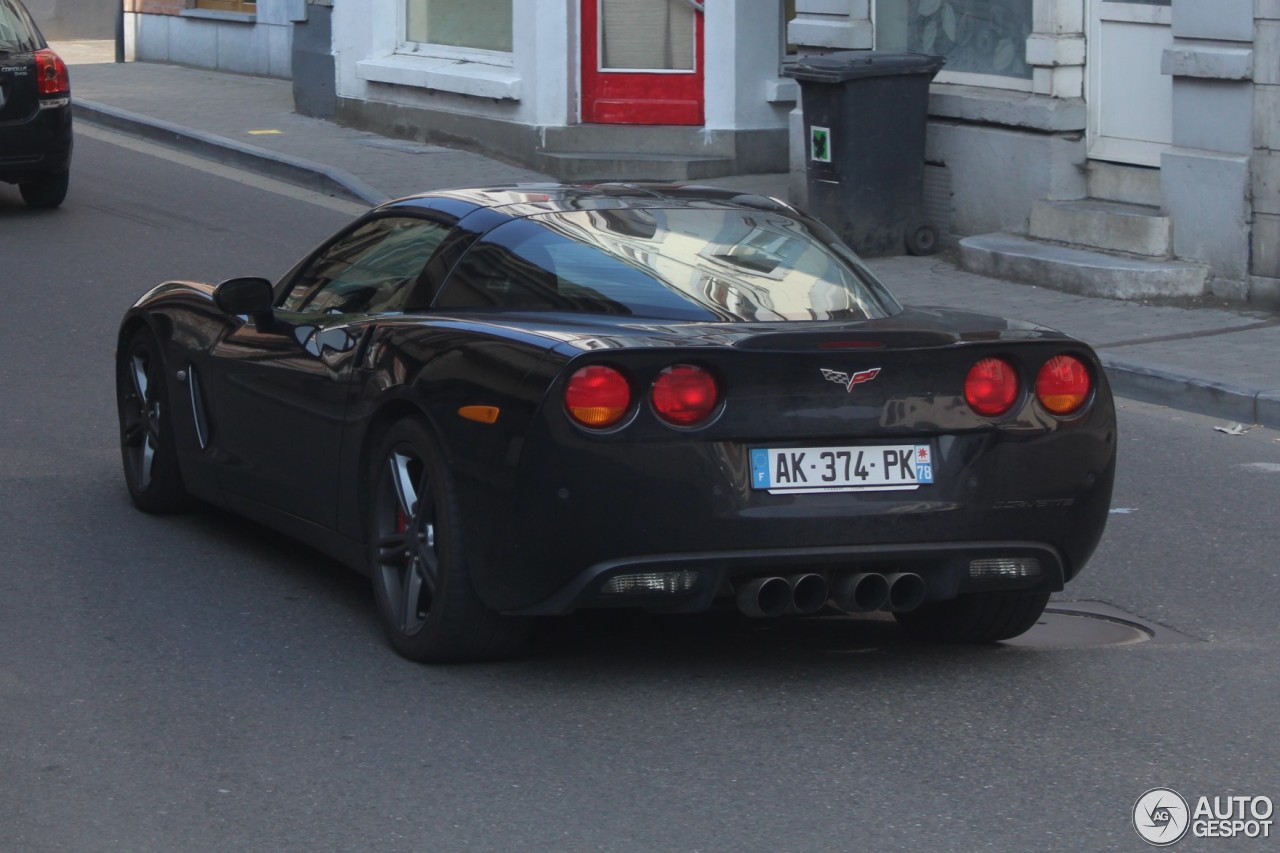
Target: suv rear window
pixel 17 32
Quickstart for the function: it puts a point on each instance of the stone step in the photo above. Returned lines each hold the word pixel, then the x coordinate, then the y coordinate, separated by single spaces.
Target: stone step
pixel 1126 184
pixel 1106 225
pixel 666 139
pixel 1080 271
pixel 625 166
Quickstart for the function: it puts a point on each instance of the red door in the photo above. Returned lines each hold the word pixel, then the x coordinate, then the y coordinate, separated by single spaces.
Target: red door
pixel 642 62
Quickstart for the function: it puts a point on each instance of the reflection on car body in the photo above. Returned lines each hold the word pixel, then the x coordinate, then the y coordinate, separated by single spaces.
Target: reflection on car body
pixel 522 401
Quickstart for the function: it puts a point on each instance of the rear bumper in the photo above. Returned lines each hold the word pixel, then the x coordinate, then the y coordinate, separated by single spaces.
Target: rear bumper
pixel 571 509
pixel 944 568
pixel 38 146
pixel 581 517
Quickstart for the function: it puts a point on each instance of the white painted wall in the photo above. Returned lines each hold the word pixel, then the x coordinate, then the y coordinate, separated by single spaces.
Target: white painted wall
pixel 75 19
pixel 262 46
pixel 744 90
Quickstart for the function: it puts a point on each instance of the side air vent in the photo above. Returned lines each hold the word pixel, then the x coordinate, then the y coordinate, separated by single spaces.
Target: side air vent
pixel 198 415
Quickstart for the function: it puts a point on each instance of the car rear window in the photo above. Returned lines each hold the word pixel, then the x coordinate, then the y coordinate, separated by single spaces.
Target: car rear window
pixel 686 263
pixel 17 34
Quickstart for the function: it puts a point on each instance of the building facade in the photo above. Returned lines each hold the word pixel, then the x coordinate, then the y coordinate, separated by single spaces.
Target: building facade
pixel 240 36
pixel 578 88
pixel 75 19
pixel 1143 127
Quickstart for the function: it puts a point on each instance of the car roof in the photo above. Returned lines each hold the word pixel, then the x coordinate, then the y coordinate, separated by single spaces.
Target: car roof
pixel 518 200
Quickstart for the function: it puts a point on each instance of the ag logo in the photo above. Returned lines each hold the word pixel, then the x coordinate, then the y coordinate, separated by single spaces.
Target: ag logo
pixel 1161 817
pixel 842 378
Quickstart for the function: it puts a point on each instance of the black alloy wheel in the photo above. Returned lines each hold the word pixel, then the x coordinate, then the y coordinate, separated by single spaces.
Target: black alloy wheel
pixel 147 446
pixel 425 597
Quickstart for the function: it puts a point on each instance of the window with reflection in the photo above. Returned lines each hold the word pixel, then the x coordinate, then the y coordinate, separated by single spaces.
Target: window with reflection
pixel 247 6
pixel 372 269
pixel 691 263
pixel 652 35
pixel 474 24
pixel 976 36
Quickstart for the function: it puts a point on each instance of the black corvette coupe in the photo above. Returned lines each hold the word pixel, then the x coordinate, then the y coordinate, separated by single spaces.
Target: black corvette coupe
pixel 514 402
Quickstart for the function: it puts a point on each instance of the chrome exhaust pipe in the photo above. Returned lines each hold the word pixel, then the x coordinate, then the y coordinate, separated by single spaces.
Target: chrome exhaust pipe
pixel 764 598
pixel 809 593
pixel 861 592
pixel 906 592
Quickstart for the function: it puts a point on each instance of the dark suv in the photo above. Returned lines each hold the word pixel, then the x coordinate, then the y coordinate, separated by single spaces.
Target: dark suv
pixel 35 111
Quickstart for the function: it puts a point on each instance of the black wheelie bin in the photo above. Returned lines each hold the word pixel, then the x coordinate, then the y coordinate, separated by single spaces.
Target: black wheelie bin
pixel 865 113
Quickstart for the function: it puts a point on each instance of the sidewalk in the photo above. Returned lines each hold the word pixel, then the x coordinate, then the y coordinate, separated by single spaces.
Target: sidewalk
pixel 1218 361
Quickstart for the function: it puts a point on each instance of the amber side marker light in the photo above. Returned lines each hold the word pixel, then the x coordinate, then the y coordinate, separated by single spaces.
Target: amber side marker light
pixel 597 396
pixel 1063 384
pixel 480 414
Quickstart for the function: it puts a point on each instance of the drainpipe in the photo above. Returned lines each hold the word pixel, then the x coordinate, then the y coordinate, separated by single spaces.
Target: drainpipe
pixel 120 32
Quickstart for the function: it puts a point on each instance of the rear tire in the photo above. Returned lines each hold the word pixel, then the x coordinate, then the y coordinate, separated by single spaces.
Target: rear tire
pixel 425 597
pixel 45 192
pixel 980 617
pixel 921 239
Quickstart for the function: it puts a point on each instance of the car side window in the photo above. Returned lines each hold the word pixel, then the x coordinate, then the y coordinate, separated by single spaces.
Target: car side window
pixel 370 270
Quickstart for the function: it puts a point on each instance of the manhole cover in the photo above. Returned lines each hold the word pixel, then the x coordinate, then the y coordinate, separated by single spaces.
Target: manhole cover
pixel 1074 628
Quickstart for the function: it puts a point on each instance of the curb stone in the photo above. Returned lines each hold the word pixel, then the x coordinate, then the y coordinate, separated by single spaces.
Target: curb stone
pixel 294 170
pixel 1193 393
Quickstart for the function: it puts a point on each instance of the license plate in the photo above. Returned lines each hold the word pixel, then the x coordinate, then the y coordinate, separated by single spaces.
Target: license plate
pixel 881 467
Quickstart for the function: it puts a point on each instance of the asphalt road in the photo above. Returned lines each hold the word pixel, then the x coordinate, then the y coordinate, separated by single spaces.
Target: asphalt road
pixel 197 683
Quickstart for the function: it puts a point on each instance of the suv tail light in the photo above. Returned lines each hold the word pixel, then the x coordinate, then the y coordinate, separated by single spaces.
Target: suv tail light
pixel 684 395
pixel 51 74
pixel 597 396
pixel 1063 384
pixel 991 388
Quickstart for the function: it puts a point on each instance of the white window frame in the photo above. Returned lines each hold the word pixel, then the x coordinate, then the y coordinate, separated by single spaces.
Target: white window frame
pixel 780 89
pixel 986 81
pixel 783 56
pixel 443 68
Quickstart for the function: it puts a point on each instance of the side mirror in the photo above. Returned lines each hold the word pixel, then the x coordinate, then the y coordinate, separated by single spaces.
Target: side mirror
pixel 248 295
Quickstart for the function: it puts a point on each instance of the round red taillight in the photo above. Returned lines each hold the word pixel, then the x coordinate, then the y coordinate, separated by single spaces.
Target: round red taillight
pixel 597 396
pixel 685 395
pixel 1063 384
pixel 991 388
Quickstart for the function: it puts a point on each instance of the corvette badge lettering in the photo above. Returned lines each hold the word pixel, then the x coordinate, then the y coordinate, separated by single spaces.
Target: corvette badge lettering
pixel 839 376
